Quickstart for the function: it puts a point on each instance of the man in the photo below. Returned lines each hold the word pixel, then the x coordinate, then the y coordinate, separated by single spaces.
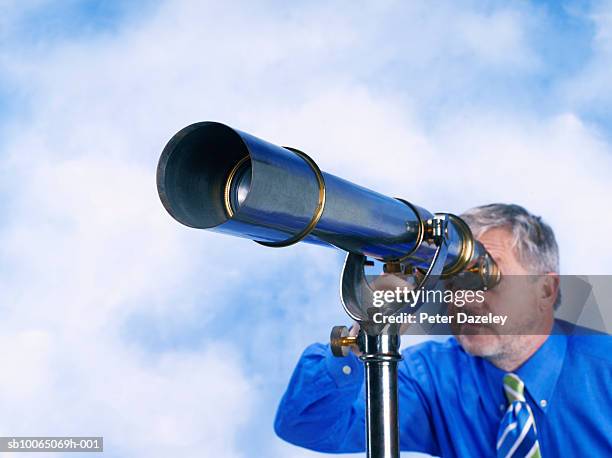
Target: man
pixel 534 393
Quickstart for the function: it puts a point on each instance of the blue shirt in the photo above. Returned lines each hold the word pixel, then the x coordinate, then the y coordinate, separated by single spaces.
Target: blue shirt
pixel 451 403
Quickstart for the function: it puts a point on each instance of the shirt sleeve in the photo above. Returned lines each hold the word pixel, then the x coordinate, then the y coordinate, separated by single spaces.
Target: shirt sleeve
pixel 323 407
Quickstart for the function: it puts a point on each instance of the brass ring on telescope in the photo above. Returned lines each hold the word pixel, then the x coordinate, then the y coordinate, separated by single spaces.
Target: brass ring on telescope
pixel 318 210
pixel 490 278
pixel 467 246
pixel 420 234
pixel 228 187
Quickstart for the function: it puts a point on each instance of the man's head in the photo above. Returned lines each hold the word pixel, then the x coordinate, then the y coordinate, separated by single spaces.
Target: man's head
pixel 525 250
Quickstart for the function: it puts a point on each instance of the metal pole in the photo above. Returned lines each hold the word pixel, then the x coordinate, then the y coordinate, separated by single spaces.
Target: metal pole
pixel 380 357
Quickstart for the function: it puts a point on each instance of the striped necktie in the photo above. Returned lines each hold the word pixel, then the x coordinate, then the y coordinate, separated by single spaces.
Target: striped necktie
pixel 517 436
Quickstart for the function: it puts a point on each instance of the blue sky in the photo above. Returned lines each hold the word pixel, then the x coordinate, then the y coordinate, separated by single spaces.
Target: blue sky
pixel 169 336
pixel 561 35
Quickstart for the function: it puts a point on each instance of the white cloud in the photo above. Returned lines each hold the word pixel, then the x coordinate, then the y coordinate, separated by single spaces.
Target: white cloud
pixel 87 245
pixel 55 383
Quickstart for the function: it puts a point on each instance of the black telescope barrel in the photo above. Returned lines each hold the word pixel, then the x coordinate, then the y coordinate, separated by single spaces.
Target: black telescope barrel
pixel 211 176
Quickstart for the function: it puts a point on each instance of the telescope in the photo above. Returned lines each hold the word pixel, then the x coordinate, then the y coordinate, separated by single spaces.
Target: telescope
pixel 211 176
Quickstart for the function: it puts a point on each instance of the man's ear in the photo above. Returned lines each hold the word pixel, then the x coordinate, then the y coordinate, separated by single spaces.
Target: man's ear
pixel 548 291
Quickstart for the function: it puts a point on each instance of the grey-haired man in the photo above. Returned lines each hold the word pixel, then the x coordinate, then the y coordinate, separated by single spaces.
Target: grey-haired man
pixel 533 392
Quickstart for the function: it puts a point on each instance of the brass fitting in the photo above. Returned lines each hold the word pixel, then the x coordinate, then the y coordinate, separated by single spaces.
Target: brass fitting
pixel 340 341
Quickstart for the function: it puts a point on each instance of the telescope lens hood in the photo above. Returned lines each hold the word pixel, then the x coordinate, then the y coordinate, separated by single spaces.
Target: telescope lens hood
pixel 193 171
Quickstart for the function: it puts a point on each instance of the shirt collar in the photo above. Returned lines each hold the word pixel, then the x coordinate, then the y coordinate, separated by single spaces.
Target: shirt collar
pixel 540 372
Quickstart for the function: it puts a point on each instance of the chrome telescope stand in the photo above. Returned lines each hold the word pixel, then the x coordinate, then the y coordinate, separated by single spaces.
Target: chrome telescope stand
pixel 379 346
pixel 380 359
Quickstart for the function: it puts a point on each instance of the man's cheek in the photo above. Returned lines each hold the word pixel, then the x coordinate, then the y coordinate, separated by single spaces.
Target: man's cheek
pixel 497 301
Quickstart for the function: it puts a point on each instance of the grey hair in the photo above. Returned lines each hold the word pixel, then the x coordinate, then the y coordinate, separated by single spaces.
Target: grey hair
pixel 533 239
